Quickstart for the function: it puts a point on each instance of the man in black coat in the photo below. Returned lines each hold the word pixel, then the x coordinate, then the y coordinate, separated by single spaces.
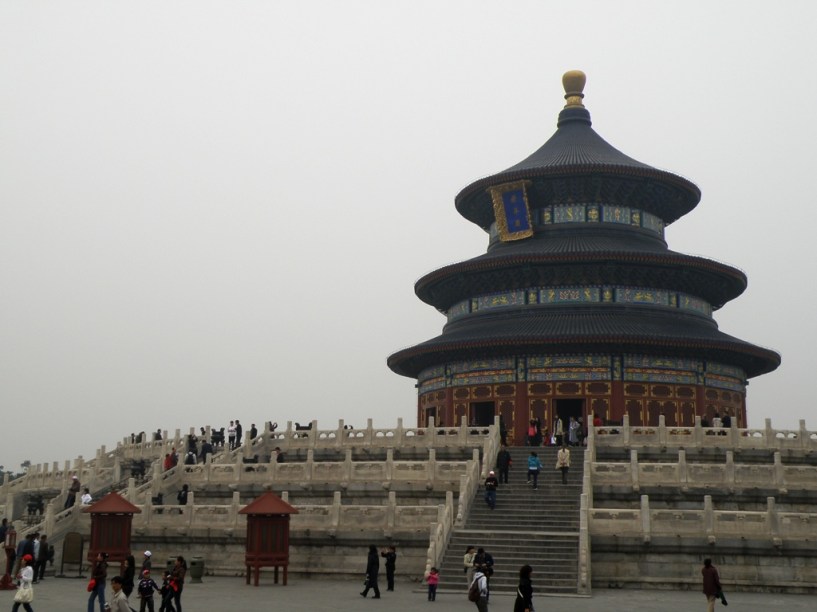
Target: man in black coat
pixel 503 464
pixel 372 569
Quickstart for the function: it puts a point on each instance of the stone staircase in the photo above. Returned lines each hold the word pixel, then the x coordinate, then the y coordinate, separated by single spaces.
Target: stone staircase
pixel 538 527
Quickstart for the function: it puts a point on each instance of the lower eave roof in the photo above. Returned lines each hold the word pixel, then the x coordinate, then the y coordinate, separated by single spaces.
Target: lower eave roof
pixel 592 329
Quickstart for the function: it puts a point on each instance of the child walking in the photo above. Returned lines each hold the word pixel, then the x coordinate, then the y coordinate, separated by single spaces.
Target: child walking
pixel 433 580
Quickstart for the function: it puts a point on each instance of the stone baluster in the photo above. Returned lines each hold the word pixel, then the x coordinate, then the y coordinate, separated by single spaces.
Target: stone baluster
pixel 235 506
pixel 662 431
pixel 729 470
pixel 399 433
pixel 131 493
pixel 698 432
pixel 348 467
pixel 391 512
pixel 238 471
pixel 590 449
pixel 625 430
pixel 683 474
pixel 431 466
pixel 50 515
pixel 803 436
pixel 779 473
pixel 289 441
pixel 340 435
pixel 368 438
pixel 634 476
pixel 646 526
pixel 334 513
pixel 177 439
pixel 768 432
pixel 117 469
pixel 189 510
pixel 208 433
pixel 310 465
pixel 389 464
pixel 709 519
pixel 773 522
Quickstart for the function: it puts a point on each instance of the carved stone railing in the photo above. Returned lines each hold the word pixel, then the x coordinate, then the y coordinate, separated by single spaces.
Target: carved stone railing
pixel 332 518
pixel 440 533
pixel 645 523
pixel 697 437
pixel 728 476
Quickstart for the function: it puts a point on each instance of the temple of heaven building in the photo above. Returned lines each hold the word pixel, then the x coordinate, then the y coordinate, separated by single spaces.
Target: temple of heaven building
pixel 578 308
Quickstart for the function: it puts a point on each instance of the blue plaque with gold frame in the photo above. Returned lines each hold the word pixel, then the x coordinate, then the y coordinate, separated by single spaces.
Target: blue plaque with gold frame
pixel 511 210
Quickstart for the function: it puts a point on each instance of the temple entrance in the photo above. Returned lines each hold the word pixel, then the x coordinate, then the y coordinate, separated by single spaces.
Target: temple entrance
pixel 482 414
pixel 567 408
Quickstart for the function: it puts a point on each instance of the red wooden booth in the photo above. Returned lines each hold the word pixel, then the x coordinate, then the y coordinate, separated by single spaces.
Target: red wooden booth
pixel 111 519
pixel 267 534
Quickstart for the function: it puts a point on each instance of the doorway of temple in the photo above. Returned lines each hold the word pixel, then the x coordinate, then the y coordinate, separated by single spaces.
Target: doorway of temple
pixel 567 408
pixel 482 414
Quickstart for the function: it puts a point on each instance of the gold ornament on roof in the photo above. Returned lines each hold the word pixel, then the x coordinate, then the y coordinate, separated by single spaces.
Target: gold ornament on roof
pixel 573 81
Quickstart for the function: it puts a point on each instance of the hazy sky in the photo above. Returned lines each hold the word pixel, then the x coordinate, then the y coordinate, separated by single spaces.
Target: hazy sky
pixel 216 210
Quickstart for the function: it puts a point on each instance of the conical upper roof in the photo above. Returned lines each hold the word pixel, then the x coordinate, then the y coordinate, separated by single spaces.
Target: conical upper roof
pixel 576 151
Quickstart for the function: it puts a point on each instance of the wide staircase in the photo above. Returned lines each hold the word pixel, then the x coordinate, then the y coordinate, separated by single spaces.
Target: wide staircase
pixel 535 527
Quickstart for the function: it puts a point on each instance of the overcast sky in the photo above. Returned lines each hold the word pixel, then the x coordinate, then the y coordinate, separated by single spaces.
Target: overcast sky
pixel 217 210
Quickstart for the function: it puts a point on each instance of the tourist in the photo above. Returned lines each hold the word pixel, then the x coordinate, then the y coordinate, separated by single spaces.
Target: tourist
pixel 390 554
pixel 253 432
pixel 181 496
pixel 503 432
pixel 25 592
pixel 372 568
pixel 129 575
pixel 167 464
pixel 206 449
pixel 119 602
pixel 4 527
pixel 503 463
pixel 231 435
pixel 573 432
pixel 190 459
pixel 481 580
pixel 468 564
pixel 491 483
pixel 239 430
pixel 279 455
pixel 484 562
pixel 524 592
pixel 146 561
pixel 558 430
pixel 712 585
pixel 157 437
pixel 86 498
pixel 166 601
pixel 146 589
pixel 176 585
pixel 433 579
pixel 563 462
pixel 534 466
pixel 532 433
pixel 42 558
pixel 99 574
pixel 596 421
pixel 71 499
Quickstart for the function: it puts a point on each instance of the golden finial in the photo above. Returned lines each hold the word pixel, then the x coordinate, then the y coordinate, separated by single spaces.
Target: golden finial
pixel 573 82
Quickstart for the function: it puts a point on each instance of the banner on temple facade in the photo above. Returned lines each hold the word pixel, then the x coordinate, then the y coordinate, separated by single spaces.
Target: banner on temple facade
pixel 511 210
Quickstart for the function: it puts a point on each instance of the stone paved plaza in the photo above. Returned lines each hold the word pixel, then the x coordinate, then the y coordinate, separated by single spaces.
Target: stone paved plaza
pixel 304 594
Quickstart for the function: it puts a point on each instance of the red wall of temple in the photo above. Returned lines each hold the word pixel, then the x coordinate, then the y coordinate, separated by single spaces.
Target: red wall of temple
pixel 517 403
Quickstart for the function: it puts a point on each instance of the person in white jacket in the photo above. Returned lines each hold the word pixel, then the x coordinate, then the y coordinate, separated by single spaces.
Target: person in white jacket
pixel 482 581
pixel 25 593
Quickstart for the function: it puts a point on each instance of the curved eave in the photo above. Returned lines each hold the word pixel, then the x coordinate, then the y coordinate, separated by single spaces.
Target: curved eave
pixel 645 333
pixel 474 203
pixel 462 277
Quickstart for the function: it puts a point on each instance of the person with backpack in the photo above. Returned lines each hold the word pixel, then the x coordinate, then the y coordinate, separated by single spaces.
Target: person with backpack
pixel 534 465
pixel 478 591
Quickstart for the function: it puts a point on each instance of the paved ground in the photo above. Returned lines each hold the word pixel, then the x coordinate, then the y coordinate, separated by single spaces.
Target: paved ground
pixel 302 594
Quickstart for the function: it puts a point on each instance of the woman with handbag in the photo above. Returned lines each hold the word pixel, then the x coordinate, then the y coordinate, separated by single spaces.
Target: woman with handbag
pixel 524 592
pixel 96 586
pixel 25 594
